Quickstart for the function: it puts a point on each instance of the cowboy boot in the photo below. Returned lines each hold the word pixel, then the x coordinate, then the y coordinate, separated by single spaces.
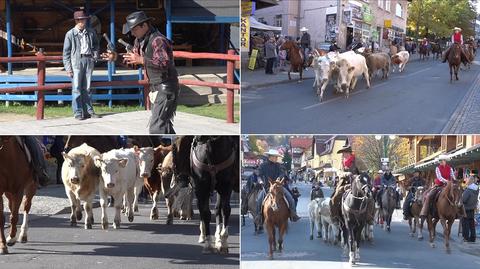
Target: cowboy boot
pixel 293 216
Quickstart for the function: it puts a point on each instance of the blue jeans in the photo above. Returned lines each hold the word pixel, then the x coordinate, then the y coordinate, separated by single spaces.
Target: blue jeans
pixel 81 99
pixel 291 202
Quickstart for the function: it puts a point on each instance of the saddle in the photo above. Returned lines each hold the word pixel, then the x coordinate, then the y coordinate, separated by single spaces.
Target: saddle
pixel 284 198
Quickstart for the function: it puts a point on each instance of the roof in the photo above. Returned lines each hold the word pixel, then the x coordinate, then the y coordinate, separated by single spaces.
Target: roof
pixel 299 142
pixel 258 25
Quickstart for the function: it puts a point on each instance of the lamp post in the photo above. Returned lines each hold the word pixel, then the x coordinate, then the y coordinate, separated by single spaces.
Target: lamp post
pixel 385 138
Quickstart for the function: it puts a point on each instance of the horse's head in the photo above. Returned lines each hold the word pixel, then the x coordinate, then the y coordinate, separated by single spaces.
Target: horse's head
pixel 276 192
pixel 418 195
pixel 455 193
pixel 361 186
pixel 287 45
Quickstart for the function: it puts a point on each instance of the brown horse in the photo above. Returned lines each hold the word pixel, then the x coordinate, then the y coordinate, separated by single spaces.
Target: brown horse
pixel 16 181
pixel 447 206
pixel 275 213
pixel 415 214
pixel 468 50
pixel 423 52
pixel 454 60
pixel 296 57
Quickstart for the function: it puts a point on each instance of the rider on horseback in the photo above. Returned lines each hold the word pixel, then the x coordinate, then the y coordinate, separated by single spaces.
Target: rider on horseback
pixel 348 160
pixel 444 174
pixel 305 42
pixel 316 191
pixel 38 159
pixel 415 182
pixel 251 181
pixel 271 169
pixel 388 180
pixel 457 38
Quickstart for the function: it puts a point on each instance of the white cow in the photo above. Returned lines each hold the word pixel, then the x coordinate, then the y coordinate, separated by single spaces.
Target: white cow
pixel 119 175
pixel 81 177
pixel 329 227
pixel 314 214
pixel 400 60
pixel 325 69
pixel 350 66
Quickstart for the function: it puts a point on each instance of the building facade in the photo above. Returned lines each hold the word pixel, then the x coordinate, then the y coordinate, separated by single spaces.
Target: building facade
pixel 463 151
pixel 381 21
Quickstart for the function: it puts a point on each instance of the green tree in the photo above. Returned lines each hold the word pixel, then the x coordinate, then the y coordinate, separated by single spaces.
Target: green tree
pixel 436 18
pixel 369 150
pixel 253 143
pixel 287 161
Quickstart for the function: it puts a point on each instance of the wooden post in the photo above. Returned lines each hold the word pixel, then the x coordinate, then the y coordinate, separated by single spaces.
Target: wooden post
pixel 230 92
pixel 40 82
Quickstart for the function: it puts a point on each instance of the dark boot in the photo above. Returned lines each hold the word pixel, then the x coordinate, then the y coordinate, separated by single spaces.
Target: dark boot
pixel 293 216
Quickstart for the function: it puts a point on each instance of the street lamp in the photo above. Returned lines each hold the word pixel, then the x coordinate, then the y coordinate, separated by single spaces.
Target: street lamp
pixel 385 139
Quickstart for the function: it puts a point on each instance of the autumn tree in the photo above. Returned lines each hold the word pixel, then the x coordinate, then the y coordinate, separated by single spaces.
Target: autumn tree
pixel 369 150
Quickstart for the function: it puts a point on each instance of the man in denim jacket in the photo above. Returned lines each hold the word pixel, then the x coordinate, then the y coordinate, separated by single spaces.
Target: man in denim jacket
pixel 80 51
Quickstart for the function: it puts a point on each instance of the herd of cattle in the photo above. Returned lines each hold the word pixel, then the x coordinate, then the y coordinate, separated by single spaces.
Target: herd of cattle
pixel 189 165
pixel 345 68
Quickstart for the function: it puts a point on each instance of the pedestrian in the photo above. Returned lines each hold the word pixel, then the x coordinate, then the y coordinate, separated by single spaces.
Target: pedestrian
pixel 154 52
pixel 270 55
pixel 80 52
pixel 470 200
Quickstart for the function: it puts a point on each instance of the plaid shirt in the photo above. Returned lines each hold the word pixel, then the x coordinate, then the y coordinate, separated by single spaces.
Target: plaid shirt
pixel 162 51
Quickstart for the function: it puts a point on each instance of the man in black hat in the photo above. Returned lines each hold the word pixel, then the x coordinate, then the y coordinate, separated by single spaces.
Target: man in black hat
pixel 80 51
pixel 348 160
pixel 155 52
pixel 415 182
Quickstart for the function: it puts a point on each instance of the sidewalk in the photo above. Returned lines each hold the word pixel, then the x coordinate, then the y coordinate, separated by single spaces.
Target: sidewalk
pixel 466 118
pixel 124 123
pixel 258 79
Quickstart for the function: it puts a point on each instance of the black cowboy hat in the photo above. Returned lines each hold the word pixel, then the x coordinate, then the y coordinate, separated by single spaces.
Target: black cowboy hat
pixel 346 148
pixel 135 19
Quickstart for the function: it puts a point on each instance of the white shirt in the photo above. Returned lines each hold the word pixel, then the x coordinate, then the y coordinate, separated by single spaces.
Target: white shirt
pixel 84 44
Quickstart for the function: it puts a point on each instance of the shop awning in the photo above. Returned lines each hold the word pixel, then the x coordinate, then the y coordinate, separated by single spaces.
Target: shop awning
pixel 261 26
pixel 462 156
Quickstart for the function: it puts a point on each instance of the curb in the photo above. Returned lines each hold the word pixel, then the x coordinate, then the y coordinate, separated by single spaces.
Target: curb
pixel 454 124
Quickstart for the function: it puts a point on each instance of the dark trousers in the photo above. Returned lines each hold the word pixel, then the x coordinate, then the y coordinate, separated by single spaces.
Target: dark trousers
pixel 269 66
pixel 468 228
pixel 163 108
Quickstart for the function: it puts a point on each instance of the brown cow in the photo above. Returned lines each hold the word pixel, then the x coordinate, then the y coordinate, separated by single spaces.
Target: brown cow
pixel 377 61
pixel 149 160
pixel 81 178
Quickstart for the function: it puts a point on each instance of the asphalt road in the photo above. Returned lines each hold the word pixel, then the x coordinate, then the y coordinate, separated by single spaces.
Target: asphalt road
pixel 389 250
pixel 419 100
pixel 140 244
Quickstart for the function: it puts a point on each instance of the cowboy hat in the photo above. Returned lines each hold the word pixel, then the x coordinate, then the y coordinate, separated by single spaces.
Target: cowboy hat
pixel 457 28
pixel 273 152
pixel 80 15
pixel 443 157
pixel 303 29
pixel 346 148
pixel 380 171
pixel 135 19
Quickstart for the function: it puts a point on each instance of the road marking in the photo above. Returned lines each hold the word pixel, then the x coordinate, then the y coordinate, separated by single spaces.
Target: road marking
pixel 343 97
